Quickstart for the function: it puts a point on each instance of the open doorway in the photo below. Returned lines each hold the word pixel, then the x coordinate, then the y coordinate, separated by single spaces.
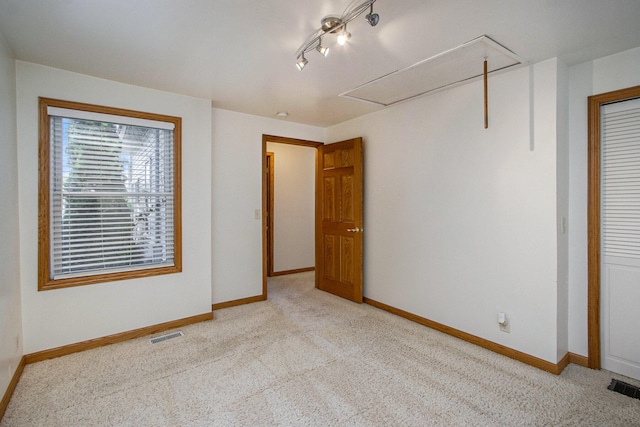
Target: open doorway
pixel 285 216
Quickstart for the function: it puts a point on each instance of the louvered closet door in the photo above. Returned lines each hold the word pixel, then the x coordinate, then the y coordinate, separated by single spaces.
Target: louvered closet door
pixel 620 213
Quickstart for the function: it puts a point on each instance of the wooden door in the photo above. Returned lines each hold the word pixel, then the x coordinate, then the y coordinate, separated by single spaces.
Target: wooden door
pixel 339 231
pixel 613 220
pixel 620 236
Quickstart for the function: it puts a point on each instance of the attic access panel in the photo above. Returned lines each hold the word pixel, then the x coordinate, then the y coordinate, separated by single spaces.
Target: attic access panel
pixel 455 66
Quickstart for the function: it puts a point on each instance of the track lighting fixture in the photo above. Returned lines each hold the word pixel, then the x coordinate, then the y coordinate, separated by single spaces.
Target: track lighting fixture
pixel 335 25
pixel 302 61
pixel 344 36
pixel 372 18
pixel 324 51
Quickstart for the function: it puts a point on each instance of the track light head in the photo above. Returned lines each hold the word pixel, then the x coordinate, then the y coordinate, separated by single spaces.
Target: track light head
pixel 373 19
pixel 302 62
pixel 344 36
pixel 324 51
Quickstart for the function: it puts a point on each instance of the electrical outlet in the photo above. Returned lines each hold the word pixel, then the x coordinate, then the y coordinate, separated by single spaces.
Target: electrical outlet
pixel 505 325
pixel 257 214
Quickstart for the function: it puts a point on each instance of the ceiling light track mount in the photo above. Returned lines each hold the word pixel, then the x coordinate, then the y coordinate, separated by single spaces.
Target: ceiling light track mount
pixel 330 24
pixel 336 25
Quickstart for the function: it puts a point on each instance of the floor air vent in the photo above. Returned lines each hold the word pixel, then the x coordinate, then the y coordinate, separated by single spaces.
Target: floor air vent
pixel 161 338
pixel 624 388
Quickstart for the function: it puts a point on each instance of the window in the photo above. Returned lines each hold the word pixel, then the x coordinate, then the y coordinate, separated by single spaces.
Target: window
pixel 109 198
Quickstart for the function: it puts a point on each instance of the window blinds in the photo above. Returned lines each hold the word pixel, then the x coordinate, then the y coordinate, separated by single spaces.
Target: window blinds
pixel 621 179
pixel 111 194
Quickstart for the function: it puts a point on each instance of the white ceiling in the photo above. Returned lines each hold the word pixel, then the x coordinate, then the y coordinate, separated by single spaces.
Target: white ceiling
pixel 241 53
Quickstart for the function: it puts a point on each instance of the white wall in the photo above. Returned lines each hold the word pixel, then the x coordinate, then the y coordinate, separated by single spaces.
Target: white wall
pixel 562 199
pixel 591 78
pixel 59 317
pixel 237 193
pixel 461 221
pixel 294 206
pixel 10 302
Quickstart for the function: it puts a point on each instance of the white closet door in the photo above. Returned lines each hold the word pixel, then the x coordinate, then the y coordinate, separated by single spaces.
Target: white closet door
pixel 620 212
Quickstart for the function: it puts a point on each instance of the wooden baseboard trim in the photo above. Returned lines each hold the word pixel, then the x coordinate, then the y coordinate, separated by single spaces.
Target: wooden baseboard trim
pixel 481 342
pixel 12 386
pixel 579 360
pixel 563 363
pixel 237 302
pixel 298 270
pixel 115 338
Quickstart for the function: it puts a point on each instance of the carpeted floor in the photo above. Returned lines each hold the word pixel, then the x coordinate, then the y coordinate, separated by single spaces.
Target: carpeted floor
pixel 305 357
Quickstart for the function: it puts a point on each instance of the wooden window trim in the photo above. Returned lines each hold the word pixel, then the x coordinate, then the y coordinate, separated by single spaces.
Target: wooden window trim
pixel 44 280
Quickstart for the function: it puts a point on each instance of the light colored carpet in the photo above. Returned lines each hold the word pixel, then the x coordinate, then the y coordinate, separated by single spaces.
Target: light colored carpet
pixel 305 357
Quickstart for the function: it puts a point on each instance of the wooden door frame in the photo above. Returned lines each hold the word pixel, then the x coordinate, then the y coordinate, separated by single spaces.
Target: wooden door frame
pixel 279 140
pixel 270 175
pixel 595 104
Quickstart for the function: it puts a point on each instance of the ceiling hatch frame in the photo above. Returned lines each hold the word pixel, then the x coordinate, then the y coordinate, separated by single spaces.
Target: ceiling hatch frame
pixel 453 67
